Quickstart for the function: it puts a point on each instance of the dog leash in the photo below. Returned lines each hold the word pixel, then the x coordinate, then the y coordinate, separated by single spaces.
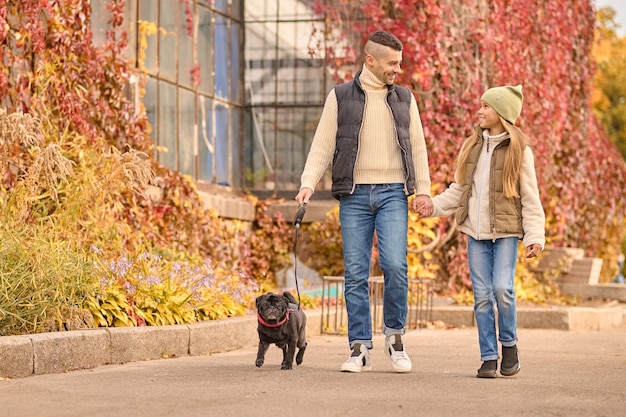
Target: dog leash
pixel 297 221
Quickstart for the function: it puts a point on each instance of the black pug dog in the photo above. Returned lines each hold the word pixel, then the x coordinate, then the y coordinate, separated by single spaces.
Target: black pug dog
pixel 282 322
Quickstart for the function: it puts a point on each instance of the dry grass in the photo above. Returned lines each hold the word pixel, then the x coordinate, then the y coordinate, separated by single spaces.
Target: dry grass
pixel 19 129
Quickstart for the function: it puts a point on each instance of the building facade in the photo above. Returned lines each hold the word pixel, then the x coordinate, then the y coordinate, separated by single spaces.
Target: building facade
pixel 234 89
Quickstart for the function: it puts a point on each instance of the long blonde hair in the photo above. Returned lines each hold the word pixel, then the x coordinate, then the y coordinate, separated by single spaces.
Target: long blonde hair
pixel 512 159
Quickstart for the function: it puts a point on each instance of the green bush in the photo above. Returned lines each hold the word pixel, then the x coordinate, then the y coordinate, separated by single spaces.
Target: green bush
pixel 44 283
pixel 81 245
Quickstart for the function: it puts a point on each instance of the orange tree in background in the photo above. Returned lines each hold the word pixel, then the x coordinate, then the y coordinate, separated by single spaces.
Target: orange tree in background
pixel 453 51
pixel 609 96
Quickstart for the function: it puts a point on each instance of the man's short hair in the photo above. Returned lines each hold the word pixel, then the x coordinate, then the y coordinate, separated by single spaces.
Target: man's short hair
pixel 385 38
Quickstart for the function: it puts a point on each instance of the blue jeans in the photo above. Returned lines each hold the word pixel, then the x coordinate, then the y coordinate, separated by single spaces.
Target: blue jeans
pixel 492 269
pixel 382 208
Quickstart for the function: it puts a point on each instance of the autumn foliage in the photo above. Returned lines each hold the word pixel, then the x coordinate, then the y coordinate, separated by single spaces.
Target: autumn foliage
pixel 81 245
pixel 54 72
pixel 608 102
pixel 454 50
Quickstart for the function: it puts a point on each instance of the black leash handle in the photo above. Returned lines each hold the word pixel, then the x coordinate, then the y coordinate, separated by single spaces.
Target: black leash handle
pixel 296 222
pixel 299 215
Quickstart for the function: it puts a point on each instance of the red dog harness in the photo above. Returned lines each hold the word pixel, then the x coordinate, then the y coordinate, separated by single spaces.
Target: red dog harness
pixel 280 323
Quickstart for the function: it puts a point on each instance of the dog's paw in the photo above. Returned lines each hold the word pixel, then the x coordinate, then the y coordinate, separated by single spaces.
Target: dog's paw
pixel 285 367
pixel 299 357
pixel 259 363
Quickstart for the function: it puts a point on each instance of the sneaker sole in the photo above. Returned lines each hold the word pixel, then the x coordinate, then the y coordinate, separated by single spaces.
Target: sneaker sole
pixel 356 369
pixel 511 372
pixel 486 375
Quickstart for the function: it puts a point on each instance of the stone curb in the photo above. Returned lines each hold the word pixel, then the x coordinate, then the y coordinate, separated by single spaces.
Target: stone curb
pixel 559 318
pixel 43 353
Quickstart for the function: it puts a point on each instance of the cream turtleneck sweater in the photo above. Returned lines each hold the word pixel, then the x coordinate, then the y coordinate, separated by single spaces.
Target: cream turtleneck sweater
pixel 379 160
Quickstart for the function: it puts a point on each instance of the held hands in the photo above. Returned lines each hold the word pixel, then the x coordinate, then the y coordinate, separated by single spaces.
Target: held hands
pixel 423 205
pixel 533 250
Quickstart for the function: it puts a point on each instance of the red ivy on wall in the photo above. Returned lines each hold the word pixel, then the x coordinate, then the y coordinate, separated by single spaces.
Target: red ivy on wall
pixel 52 70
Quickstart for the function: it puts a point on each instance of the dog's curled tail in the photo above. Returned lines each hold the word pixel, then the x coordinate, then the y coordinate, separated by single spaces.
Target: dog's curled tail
pixel 290 297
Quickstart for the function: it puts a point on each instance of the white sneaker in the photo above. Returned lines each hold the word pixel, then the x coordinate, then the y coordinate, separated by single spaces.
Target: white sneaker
pixel 394 348
pixel 358 361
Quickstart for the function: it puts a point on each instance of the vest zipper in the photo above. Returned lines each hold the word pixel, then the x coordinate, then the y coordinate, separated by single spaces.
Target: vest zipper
pixel 480 193
pixel 358 145
pixel 492 170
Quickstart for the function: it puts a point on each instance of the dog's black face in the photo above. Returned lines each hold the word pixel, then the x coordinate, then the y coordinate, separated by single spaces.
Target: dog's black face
pixel 283 323
pixel 272 307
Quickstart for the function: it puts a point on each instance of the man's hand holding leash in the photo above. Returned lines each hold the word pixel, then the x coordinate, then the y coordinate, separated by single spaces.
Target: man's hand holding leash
pixel 304 196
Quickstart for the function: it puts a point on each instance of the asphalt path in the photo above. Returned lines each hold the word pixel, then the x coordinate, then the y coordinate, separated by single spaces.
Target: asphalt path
pixel 575 373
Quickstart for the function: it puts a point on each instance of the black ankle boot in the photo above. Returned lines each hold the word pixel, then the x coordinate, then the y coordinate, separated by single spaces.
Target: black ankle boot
pixel 488 369
pixel 510 361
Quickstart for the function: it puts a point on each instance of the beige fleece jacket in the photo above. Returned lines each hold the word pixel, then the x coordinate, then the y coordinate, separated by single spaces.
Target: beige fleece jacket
pixel 379 159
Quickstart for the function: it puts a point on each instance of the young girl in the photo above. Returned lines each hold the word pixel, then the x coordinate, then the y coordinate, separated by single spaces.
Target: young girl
pixel 496 202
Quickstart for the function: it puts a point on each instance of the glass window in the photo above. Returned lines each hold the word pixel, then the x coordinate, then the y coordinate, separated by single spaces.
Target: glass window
pixel 221 5
pixel 150 103
pixel 222 144
pixel 186 137
pixel 185 49
pixel 302 135
pixel 130 17
pixel 236 9
pixel 286 85
pixel 149 15
pixel 235 172
pixel 235 76
pixel 260 72
pixel 167 125
pixel 259 145
pixel 101 24
pixel 167 40
pixel 206 140
pixel 221 57
pixel 196 127
pixel 287 140
pixel 205 48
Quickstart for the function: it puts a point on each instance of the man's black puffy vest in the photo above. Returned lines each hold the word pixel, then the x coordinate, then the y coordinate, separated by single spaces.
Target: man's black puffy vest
pixel 350 110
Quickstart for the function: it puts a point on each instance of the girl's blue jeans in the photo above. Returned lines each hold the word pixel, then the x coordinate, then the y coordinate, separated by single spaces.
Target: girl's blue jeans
pixel 382 208
pixel 492 269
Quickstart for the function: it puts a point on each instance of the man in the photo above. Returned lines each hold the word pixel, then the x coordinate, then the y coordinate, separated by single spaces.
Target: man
pixel 371 129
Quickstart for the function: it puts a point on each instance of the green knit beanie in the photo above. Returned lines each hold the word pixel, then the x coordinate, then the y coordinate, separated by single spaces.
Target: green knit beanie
pixel 506 101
